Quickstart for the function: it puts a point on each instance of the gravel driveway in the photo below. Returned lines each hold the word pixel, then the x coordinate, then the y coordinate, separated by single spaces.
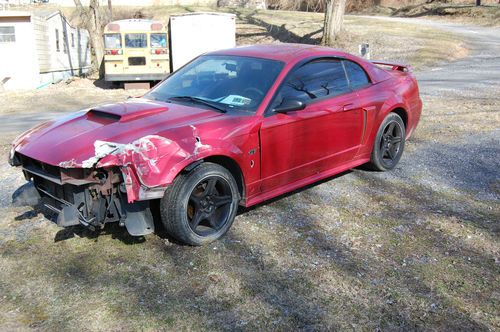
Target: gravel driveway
pixel 470 161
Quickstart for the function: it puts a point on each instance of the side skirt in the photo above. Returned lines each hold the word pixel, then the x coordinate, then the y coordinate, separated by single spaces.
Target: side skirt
pixel 304 182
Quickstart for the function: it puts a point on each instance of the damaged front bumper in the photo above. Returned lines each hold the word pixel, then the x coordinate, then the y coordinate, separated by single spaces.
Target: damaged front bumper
pixel 112 185
pixel 90 197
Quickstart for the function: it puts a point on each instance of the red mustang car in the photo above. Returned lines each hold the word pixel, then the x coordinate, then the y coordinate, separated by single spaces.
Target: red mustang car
pixel 233 127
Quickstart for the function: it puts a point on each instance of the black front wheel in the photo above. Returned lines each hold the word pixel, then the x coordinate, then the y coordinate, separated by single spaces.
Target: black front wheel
pixel 389 143
pixel 200 206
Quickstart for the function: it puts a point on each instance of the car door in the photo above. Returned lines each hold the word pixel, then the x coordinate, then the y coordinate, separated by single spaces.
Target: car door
pixel 323 135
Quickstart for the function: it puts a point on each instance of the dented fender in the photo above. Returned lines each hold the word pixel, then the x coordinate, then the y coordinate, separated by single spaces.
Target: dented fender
pixel 143 162
pixel 149 164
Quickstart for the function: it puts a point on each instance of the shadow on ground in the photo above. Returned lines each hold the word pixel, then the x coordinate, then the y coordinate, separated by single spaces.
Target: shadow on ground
pixel 362 249
pixel 277 32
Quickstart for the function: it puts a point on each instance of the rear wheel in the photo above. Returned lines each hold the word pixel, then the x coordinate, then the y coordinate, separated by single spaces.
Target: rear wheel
pixel 200 206
pixel 389 143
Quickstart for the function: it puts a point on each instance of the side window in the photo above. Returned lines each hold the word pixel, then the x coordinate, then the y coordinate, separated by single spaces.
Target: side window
pixel 7 34
pixel 316 79
pixel 57 41
pixel 65 42
pixel 356 74
pixel 158 40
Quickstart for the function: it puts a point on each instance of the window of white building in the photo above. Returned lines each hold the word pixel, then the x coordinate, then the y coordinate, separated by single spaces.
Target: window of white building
pixel 7 34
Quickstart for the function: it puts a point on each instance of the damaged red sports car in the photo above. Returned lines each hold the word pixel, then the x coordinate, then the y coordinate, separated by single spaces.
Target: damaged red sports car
pixel 233 127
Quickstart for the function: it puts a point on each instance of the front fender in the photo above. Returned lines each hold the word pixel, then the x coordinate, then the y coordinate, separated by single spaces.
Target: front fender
pixel 203 150
pixel 151 163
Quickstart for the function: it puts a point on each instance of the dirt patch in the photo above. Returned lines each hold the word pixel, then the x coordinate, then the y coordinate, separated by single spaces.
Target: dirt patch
pixel 488 15
pixel 459 12
pixel 79 92
pixel 405 42
pixel 411 43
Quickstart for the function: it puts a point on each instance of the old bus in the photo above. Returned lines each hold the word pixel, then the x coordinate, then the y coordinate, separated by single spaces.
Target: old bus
pixel 136 50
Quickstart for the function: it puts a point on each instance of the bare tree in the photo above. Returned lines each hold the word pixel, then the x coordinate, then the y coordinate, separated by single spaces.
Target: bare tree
pixel 334 20
pixel 110 8
pixel 94 19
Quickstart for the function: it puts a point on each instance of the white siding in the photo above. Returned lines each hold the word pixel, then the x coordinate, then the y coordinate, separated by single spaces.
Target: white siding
pixel 33 60
pixel 18 62
pixel 68 57
pixel 42 43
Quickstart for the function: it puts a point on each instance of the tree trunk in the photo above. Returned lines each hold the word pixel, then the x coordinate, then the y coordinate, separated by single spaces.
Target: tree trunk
pixel 110 8
pixel 94 22
pixel 334 20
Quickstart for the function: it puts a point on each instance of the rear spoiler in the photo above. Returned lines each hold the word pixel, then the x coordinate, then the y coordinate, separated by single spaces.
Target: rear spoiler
pixel 394 66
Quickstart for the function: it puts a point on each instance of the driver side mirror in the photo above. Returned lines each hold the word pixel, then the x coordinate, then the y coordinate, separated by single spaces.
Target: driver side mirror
pixel 289 105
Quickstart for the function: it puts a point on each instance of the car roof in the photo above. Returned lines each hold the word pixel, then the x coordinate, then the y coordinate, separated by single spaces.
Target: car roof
pixel 282 51
pixel 293 53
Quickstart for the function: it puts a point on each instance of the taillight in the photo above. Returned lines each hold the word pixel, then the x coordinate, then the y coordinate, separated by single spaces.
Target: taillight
pixel 114 52
pixel 158 51
pixel 156 26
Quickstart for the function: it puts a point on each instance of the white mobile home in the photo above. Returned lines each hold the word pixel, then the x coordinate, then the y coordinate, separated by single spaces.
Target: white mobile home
pixel 39 48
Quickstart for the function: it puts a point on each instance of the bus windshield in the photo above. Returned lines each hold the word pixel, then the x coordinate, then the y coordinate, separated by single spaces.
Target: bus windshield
pixel 136 40
pixel 228 82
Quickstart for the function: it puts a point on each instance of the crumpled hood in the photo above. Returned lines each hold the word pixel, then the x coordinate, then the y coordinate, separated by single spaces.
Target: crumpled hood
pixel 70 141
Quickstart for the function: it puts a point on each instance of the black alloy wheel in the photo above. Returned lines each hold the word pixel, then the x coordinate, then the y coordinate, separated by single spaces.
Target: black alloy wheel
pixel 200 205
pixel 209 205
pixel 389 143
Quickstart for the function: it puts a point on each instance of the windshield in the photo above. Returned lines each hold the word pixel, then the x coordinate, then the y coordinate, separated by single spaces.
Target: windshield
pixel 230 82
pixel 136 40
pixel 113 40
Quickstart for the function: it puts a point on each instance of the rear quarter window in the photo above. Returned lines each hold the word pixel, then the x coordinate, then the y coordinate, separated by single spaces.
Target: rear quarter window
pixel 357 76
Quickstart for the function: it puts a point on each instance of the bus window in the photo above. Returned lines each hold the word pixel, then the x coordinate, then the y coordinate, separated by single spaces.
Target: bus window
pixel 136 40
pixel 113 40
pixel 158 40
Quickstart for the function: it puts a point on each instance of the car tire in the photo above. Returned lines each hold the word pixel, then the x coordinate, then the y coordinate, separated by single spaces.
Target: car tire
pixel 200 206
pixel 389 143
